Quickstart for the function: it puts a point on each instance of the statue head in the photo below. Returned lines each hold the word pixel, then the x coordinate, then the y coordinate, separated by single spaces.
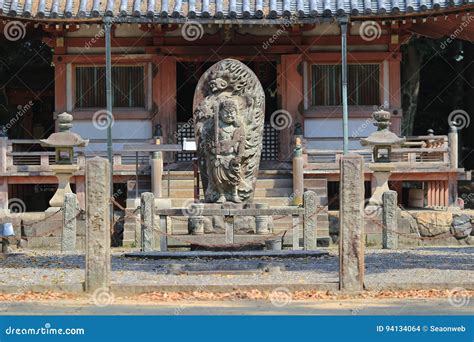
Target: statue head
pixel 218 84
pixel 228 111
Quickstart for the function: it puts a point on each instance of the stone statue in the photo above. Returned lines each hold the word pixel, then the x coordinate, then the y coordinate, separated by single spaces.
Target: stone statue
pixel 229 113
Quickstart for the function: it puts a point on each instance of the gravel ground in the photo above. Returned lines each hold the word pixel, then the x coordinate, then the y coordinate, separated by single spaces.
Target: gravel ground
pixel 422 265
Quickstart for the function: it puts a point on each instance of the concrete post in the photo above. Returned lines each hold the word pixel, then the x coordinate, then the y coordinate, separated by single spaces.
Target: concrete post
pixel 390 220
pixel 146 212
pixel 351 231
pixel 156 174
pixel 68 237
pixel 97 224
pixel 310 219
pixel 298 176
pixel 453 146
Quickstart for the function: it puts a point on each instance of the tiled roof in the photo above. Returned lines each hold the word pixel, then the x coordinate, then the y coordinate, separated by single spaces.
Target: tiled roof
pixel 151 10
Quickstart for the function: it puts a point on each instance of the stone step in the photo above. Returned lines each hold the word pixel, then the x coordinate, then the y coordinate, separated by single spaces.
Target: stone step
pixel 219 239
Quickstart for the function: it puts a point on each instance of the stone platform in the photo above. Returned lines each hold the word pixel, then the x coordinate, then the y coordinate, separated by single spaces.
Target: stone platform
pixel 227 255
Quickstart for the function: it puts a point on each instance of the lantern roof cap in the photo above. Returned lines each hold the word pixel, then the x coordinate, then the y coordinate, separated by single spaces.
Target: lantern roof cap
pixel 383 136
pixel 64 138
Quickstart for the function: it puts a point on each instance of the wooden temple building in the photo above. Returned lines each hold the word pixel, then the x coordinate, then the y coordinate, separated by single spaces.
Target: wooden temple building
pixel 160 48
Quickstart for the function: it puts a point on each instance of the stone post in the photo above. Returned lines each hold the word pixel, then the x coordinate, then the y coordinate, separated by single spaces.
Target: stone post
pixel 97 224
pixel 310 219
pixel 298 176
pixel 351 231
pixel 390 220
pixel 68 237
pixel 4 195
pixel 3 168
pixel 147 214
pixel 453 146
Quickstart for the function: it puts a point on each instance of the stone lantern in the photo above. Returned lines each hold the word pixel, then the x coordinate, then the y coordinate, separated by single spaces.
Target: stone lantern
pixel 382 142
pixel 63 142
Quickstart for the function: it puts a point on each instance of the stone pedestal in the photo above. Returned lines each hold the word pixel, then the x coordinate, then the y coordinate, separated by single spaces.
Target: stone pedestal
pixel 351 231
pixel 196 225
pixel 64 174
pixel 381 175
pixel 261 222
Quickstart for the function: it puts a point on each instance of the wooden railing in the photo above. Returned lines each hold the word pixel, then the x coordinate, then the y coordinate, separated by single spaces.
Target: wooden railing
pixel 27 155
pixel 430 151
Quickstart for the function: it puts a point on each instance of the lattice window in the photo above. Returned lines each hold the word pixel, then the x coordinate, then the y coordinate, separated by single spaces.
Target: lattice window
pixel 270 147
pixel 363 84
pixel 185 130
pixel 271 142
pixel 128 87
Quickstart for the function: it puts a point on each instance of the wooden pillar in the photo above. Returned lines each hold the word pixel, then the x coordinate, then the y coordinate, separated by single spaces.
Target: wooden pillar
pixel 445 193
pixel 164 96
pixel 81 191
pixel 290 89
pixel 429 193
pixel 395 92
pixel 60 88
pixel 436 193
